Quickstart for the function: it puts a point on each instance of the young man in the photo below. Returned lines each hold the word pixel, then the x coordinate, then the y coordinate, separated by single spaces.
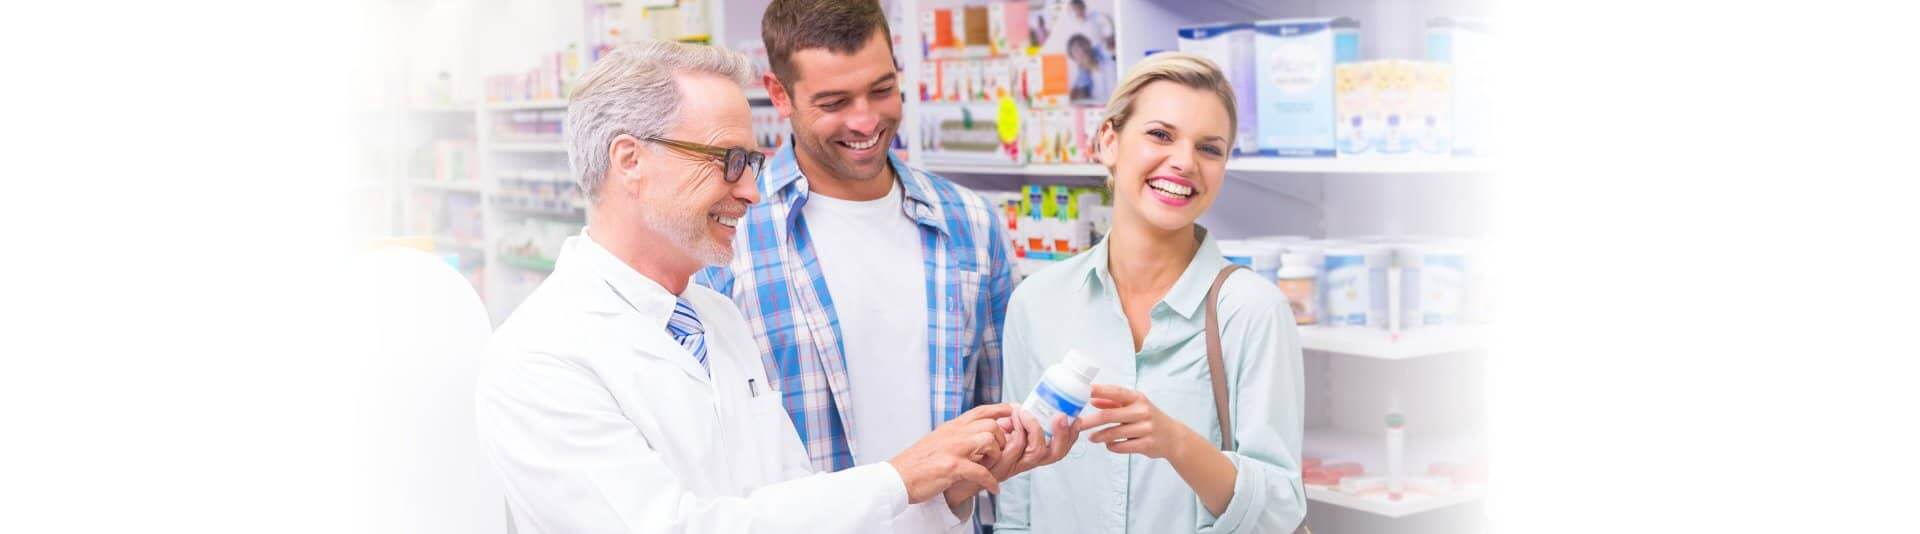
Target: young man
pixel 619 398
pixel 876 291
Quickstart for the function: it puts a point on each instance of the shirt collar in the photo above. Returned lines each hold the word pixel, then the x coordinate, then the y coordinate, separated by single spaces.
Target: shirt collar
pixel 630 289
pixel 1187 294
pixel 784 183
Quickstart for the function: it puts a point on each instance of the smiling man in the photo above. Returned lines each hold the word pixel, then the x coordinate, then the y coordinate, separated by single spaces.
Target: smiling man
pixel 619 398
pixel 877 291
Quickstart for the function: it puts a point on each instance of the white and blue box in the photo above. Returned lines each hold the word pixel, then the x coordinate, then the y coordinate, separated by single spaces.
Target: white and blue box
pixel 1293 63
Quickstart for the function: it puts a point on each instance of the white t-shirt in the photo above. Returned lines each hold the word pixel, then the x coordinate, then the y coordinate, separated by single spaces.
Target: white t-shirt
pixel 869 252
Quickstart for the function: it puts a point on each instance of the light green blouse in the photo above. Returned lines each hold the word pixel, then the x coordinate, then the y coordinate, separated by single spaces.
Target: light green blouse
pixel 1073 305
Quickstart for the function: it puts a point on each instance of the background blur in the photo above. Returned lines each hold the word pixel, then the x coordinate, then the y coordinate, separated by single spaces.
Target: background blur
pixel 1685 309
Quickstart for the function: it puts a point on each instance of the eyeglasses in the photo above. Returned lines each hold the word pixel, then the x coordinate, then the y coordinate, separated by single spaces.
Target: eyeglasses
pixel 739 161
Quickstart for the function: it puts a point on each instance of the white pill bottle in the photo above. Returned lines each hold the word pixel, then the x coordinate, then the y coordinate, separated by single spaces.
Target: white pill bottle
pixel 1064 389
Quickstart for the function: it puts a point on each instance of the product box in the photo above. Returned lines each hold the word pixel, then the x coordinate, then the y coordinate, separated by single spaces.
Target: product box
pixel 1356 109
pixel 1007 28
pixel 1430 109
pixel 966 134
pixel 978 28
pixel 1231 47
pixel 1294 65
pixel 1089 132
pixel 1066 131
pixel 1465 44
pixel 1048 82
pixel 1356 288
pixel 1393 87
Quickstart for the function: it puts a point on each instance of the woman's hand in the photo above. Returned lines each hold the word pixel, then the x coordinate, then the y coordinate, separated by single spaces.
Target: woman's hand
pixel 1139 427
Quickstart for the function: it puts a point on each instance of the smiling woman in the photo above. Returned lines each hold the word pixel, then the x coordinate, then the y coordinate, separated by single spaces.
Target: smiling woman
pixel 1165 149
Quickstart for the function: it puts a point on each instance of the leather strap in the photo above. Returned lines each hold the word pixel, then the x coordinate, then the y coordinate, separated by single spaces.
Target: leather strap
pixel 1216 360
pixel 1217 367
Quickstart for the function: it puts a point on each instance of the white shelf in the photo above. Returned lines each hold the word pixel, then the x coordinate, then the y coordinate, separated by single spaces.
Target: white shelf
pixel 1246 165
pixel 1409 505
pixel 527 104
pixel 437 185
pixel 1359 165
pixel 1334 445
pixel 1376 343
pixel 1057 169
pixel 549 146
pixel 757 93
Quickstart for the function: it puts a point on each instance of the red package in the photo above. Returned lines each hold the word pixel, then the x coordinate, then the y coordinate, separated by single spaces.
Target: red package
pixel 1345 468
pixel 1321 477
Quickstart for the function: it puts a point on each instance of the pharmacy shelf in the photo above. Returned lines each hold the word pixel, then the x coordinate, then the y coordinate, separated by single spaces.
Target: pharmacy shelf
pixel 1247 165
pixel 1335 445
pixel 1410 504
pixel 1377 343
pixel 1058 169
pixel 510 204
pixel 442 108
pixel 441 185
pixel 530 264
pixel 543 146
pixel 527 104
pixel 1359 165
pixel 463 245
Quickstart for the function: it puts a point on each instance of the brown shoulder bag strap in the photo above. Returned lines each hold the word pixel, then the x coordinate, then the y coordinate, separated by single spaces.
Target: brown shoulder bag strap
pixel 1217 367
pixel 1216 360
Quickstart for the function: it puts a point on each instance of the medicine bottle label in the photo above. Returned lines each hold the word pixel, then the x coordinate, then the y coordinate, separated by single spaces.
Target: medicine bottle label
pixel 1047 402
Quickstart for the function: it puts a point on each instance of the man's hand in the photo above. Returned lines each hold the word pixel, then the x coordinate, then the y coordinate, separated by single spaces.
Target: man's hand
pixel 955 451
pixel 1027 448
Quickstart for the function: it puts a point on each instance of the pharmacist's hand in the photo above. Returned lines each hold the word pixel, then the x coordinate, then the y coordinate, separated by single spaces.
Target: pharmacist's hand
pixel 956 451
pixel 1027 448
pixel 1041 451
pixel 1139 427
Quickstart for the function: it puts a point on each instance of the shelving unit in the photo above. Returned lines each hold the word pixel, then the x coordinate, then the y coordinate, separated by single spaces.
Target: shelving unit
pixel 1076 169
pixel 528 146
pixel 1249 165
pixel 1339 445
pixel 1395 509
pixel 443 185
pixel 1380 344
pixel 526 105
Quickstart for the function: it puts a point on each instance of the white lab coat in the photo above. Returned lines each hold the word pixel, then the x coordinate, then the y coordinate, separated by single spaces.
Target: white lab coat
pixel 598 421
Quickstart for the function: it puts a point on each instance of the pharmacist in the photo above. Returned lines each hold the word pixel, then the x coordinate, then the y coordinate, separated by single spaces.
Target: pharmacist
pixel 620 398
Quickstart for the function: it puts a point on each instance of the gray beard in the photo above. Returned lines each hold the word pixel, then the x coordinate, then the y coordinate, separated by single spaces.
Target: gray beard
pixel 690 235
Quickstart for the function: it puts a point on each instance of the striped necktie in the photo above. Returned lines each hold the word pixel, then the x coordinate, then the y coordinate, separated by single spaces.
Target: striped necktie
pixel 685 328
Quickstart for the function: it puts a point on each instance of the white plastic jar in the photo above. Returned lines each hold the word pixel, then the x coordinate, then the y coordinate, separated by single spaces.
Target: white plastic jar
pixel 1356 289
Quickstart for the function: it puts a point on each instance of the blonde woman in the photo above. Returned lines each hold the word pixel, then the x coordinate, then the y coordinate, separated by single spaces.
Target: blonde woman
pixel 1150 460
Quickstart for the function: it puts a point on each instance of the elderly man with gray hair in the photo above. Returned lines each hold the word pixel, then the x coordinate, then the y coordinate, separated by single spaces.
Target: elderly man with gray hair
pixel 621 398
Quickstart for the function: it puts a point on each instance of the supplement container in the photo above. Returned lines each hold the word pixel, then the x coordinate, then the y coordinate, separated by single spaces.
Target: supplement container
pixel 1064 389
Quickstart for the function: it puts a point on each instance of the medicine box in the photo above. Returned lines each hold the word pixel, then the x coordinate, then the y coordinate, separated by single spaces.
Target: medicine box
pixel 1294 64
pixel 1230 46
pixel 1465 44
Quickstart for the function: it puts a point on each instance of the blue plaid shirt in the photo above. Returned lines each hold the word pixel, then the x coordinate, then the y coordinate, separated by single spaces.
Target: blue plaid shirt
pixel 775 279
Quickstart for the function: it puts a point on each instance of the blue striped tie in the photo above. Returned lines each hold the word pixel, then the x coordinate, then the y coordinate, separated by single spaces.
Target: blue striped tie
pixel 685 328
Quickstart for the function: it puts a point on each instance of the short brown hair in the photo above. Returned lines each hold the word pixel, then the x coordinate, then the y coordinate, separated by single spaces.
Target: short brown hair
pixel 840 26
